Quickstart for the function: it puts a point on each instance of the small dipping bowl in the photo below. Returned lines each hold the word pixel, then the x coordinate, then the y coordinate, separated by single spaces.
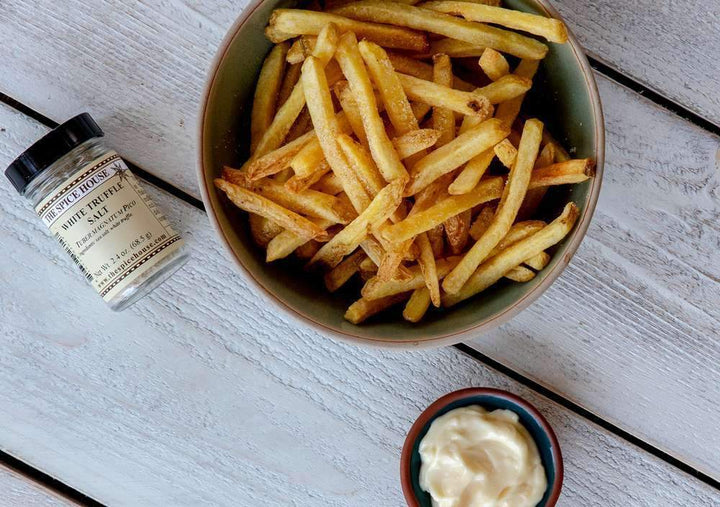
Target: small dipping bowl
pixel 489 399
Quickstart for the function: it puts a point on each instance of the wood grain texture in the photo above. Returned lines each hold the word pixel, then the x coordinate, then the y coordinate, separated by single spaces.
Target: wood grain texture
pixel 204 393
pixel 670 46
pixel 630 329
pixel 15 489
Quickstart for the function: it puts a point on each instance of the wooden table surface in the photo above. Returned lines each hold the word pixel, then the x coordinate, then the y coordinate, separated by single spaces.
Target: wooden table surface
pixel 202 394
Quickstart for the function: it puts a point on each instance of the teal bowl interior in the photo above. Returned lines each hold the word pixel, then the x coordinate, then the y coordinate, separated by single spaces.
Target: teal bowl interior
pixel 494 399
pixel 564 97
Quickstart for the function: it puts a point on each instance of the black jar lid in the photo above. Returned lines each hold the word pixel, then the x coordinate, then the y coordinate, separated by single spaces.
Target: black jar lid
pixel 54 145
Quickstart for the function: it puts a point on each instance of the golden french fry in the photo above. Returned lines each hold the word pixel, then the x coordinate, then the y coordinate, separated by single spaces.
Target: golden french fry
pixel 519 231
pixel 236 177
pixel 534 196
pixel 487 190
pixel 301 48
pixel 266 92
pixel 520 274
pixel 353 67
pixel 539 261
pixel 308 202
pixel 415 141
pixel 307 160
pixel 417 305
pixel 512 198
pixel 307 250
pixel 340 274
pixel 456 153
pixel 482 222
pixel 437 241
pixel 426 261
pixel 362 309
pixel 297 184
pixel 278 159
pixel 495 268
pixel 329 184
pixel 368 265
pixel 561 155
pixel 473 171
pixel 455 48
pixel 262 229
pixel 549 28
pixel 457 231
pixel 494 64
pixel 420 110
pixel 443 24
pixel 348 239
pixel 254 203
pixel 376 287
pixel 509 110
pixel 505 88
pixel 292 75
pixel 289 111
pixel 327 130
pixel 467 103
pixel 570 171
pixel 352 111
pixel 362 163
pixel 287 23
pixel 302 125
pixel 506 153
pixel 443 119
pixel 416 68
pixel 287 241
pixel 546 156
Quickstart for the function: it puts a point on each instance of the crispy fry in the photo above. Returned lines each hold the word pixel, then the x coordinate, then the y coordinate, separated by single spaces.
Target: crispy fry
pixel 236 177
pixel 288 23
pixel 560 154
pixel 510 202
pixel 443 119
pixel 266 92
pixel 412 67
pixel 307 250
pixel 456 153
pixel 349 105
pixel 482 222
pixel 362 309
pixel 493 64
pixel 301 48
pixel 443 24
pixel 262 229
pixel 340 274
pixel 307 160
pixel 327 130
pixel 414 224
pixel 292 75
pixel 534 196
pixel 468 103
pixel 302 125
pixel 539 261
pixel 495 268
pixel 383 152
pixel 506 88
pixel 549 28
pixel 417 305
pixel 519 231
pixel 279 159
pixel 455 48
pixel 297 184
pixel 437 241
pixel 570 171
pixel 309 202
pixel 509 110
pixel 415 141
pixel 376 288
pixel 287 242
pixel 362 164
pixel 426 261
pixel 289 111
pixel 506 153
pixel 348 239
pixel 520 274
pixel 457 231
pixel 473 171
pixel 329 184
pixel 254 203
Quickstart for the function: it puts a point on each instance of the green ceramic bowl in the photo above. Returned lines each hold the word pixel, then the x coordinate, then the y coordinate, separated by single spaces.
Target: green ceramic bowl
pixel 564 96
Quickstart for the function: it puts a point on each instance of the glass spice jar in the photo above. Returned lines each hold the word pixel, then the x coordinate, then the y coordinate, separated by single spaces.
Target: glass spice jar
pixel 86 195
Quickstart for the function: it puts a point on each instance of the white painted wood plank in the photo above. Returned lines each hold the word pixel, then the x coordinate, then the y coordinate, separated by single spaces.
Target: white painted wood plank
pixel 630 329
pixel 16 489
pixel 202 393
pixel 670 46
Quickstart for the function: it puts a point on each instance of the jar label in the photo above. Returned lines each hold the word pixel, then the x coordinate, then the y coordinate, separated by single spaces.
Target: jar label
pixel 108 225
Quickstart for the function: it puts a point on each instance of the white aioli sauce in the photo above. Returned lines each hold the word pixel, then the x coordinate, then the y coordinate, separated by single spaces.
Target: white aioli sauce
pixel 472 457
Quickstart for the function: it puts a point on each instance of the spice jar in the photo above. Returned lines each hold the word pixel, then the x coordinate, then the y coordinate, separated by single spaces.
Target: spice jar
pixel 86 195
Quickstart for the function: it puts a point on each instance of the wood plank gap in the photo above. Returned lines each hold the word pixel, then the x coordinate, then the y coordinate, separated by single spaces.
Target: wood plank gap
pixel 653 96
pixel 46 481
pixel 592 417
pixel 531 384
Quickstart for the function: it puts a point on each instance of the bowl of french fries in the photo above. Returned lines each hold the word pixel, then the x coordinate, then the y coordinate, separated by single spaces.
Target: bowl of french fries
pixel 401 173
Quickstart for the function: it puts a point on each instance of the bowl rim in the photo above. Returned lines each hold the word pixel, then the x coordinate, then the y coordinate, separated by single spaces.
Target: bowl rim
pixel 345 335
pixel 468 392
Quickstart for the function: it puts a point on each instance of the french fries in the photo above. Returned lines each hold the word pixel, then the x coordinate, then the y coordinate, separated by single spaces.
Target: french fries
pixel 512 198
pixel 349 173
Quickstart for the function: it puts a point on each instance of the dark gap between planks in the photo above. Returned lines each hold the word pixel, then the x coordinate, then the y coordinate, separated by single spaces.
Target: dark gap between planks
pixel 598 66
